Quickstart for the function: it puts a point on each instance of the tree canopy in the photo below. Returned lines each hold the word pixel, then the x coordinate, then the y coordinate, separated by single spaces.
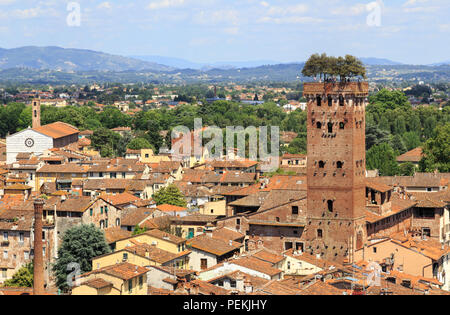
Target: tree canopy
pixel 330 67
pixel 170 195
pixel 80 245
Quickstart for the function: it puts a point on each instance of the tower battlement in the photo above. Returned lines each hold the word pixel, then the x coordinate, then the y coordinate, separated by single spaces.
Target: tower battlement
pixel 357 88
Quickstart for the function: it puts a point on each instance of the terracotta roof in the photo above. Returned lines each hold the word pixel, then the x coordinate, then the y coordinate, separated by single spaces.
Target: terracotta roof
pixel 268 256
pixel 57 130
pixel 414 155
pixel 63 168
pixel 17 187
pixel 257 265
pixel 113 234
pixel 120 199
pixel 212 245
pixel 378 186
pixel 227 234
pixel 170 208
pixel 124 271
pixel 135 216
pixel 165 236
pixel 97 283
pixel 207 288
pixel 154 253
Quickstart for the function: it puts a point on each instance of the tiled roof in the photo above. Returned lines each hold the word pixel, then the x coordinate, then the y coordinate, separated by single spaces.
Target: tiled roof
pixel 165 236
pixel 57 130
pixel 227 234
pixel 124 271
pixel 414 155
pixel 134 216
pixel 97 283
pixel 154 253
pixel 213 245
pixel 63 168
pixel 270 257
pixel 257 265
pixel 120 199
pixel 170 208
pixel 114 234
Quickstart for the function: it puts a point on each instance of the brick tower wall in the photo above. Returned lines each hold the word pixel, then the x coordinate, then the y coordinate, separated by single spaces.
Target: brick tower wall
pixel 336 169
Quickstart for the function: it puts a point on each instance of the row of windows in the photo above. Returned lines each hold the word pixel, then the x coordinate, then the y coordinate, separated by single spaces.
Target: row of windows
pixel 330 125
pixel 339 164
pixel 6 237
pixel 341 100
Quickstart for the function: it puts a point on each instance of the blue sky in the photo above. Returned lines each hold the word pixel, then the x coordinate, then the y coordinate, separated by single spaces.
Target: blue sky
pixel 410 31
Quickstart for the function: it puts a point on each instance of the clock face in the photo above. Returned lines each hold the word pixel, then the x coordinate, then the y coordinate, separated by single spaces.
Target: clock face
pixel 29 142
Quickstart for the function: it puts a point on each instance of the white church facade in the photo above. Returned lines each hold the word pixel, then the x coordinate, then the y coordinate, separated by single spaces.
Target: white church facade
pixel 38 139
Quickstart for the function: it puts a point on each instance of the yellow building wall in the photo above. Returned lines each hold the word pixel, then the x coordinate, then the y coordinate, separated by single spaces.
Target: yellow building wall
pixel 117 257
pixel 218 207
pixel 118 286
pixel 147 239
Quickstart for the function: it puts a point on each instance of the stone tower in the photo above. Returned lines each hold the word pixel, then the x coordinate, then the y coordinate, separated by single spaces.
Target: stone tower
pixel 335 224
pixel 36 107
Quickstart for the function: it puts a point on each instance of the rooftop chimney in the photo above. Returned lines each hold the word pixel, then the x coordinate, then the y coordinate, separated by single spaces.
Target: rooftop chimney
pixel 38 281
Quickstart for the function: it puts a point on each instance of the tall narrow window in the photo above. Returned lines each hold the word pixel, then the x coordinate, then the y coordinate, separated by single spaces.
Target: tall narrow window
pixel 341 100
pixel 319 101
pixel 319 233
pixel 319 125
pixel 330 101
pixel 330 204
pixel 330 127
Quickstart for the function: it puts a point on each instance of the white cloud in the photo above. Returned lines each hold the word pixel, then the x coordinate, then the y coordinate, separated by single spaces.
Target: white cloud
pixel 105 5
pixel 355 10
pixel 164 4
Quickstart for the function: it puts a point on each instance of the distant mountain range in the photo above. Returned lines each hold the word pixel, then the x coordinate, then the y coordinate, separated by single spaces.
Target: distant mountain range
pixel 226 65
pixel 54 65
pixel 186 64
pixel 56 58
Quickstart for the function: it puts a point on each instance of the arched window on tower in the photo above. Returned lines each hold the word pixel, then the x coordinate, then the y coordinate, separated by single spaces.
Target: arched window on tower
pixel 341 125
pixel 319 100
pixel 330 101
pixel 330 204
pixel 330 127
pixel 339 164
pixel 341 100
pixel 321 164
pixel 319 125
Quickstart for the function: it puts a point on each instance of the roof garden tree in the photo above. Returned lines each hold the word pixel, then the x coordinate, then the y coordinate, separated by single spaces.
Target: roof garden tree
pixel 330 67
pixel 80 245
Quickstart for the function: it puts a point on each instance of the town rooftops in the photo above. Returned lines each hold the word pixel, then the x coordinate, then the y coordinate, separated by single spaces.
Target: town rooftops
pixel 57 130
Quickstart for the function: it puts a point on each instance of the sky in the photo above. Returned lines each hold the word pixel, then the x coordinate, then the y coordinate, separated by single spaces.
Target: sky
pixel 407 31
